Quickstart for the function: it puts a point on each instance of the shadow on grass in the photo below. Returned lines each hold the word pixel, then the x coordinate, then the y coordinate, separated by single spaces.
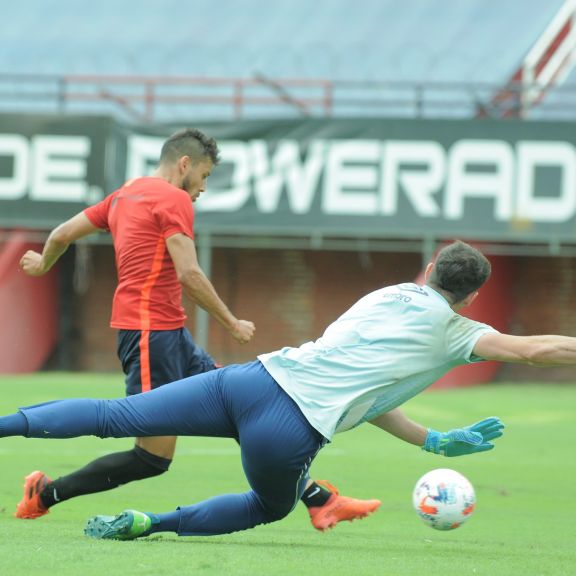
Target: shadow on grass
pixel 362 542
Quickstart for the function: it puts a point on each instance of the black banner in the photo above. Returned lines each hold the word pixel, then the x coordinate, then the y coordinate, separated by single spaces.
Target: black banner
pixel 378 178
pixel 50 167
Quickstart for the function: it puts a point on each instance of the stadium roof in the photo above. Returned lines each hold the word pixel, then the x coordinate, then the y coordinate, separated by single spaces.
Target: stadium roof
pixel 415 58
pixel 411 40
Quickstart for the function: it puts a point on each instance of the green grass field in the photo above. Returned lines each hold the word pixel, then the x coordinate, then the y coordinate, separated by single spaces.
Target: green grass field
pixel 524 524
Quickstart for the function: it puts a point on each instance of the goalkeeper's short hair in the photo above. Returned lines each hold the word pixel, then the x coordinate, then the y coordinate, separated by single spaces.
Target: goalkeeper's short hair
pixel 459 269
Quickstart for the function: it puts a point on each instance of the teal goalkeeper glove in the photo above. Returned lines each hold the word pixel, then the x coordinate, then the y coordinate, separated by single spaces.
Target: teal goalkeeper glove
pixel 468 440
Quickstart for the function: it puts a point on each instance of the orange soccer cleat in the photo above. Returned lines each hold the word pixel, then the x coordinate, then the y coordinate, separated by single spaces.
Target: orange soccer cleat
pixel 339 508
pixel 31 506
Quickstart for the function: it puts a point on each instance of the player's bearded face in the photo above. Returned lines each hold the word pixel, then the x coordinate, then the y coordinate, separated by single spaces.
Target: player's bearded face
pixel 194 181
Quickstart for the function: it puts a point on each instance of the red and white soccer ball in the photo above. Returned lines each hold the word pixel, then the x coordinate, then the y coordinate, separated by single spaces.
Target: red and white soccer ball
pixel 444 499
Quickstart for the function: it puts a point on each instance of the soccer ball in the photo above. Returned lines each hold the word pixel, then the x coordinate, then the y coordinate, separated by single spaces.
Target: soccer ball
pixel 444 499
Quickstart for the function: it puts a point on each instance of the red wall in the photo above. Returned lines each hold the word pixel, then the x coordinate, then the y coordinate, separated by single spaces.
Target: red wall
pixel 29 311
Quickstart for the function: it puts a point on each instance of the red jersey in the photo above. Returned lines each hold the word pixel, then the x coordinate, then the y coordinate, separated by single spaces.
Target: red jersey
pixel 141 216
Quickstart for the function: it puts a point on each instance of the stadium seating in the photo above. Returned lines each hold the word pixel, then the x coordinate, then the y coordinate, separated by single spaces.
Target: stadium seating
pixel 431 41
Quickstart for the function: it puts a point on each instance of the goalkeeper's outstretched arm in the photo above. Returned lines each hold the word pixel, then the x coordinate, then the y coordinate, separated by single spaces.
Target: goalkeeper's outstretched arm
pixel 398 424
pixel 545 350
pixel 457 442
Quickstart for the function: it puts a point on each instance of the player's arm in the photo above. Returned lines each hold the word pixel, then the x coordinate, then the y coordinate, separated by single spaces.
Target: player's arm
pixel 457 442
pixel 398 424
pixel 547 350
pixel 199 289
pixel 36 264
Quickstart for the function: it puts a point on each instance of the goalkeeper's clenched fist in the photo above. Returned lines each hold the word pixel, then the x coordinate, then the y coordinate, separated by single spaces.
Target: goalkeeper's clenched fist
pixel 468 440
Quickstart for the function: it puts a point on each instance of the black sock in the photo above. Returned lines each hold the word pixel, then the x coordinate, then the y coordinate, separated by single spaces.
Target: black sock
pixel 105 473
pixel 315 495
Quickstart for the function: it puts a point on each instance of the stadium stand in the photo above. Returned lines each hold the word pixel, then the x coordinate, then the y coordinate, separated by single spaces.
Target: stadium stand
pixel 462 40
pixel 427 43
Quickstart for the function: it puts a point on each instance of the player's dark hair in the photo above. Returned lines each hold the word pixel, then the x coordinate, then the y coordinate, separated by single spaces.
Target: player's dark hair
pixel 189 142
pixel 460 270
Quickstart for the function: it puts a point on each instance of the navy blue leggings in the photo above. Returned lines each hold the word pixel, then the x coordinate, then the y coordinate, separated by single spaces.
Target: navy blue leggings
pixel 241 401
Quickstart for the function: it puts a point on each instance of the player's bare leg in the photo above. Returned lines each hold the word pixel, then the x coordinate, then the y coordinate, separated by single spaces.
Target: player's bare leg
pixel 162 446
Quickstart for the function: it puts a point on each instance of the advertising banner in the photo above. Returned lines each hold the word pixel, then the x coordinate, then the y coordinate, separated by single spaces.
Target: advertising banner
pixel 376 178
pixel 50 167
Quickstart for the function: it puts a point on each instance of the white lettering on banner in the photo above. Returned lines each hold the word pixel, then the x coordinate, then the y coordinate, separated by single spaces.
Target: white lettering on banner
pixel 368 177
pixel 143 154
pixel 269 179
pixel 419 185
pixel 233 198
pixel 59 168
pixel 15 147
pixel 546 209
pixel 464 183
pixel 303 180
pixel 285 169
pixel 345 184
pixel 49 168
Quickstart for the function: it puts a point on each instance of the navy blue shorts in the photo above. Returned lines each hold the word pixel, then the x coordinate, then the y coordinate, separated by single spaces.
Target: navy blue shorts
pixel 151 358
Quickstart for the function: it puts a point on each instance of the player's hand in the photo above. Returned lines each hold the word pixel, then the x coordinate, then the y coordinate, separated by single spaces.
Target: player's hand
pixel 243 331
pixel 467 440
pixel 32 263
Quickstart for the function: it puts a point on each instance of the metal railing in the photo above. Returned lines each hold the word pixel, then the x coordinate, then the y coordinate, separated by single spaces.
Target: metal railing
pixel 162 99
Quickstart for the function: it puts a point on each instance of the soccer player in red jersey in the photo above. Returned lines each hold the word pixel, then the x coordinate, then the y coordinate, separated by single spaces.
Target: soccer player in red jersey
pixel 151 222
